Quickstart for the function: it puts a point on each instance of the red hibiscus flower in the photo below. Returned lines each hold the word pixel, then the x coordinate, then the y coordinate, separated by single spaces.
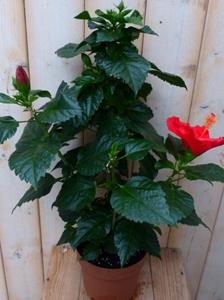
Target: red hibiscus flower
pixel 195 138
pixel 21 77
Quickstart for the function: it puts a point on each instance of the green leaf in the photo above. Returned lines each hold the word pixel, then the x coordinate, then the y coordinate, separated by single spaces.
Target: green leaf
pixel 145 90
pixel 91 252
pixel 208 172
pixel 71 50
pixel 147 29
pixel 34 153
pixel 193 220
pixel 134 18
pixel 90 101
pixel 76 193
pixel 141 200
pixel 93 158
pixel 8 127
pixel 137 149
pixel 112 125
pixel 64 107
pixel 130 237
pixel 108 36
pixel 86 60
pixel 92 226
pixel 121 6
pixel 44 187
pixel 164 164
pixel 181 204
pixel 67 235
pixel 83 15
pixel 147 167
pixel 41 93
pixel 6 99
pixel 129 66
pixel 174 146
pixel 167 77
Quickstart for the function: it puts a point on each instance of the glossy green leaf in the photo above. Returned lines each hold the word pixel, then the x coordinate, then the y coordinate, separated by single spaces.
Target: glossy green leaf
pixel 208 172
pixel 92 226
pixel 137 149
pixel 34 153
pixel 44 187
pixel 141 200
pixel 71 50
pixel 64 107
pixel 129 66
pixel 147 167
pixel 8 127
pixel 83 15
pixel 41 93
pixel 76 193
pixel 130 237
pixel 193 220
pixel 134 18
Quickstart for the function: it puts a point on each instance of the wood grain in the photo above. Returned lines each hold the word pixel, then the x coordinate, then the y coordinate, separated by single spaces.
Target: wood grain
pixel 63 281
pixel 168 275
pixel 162 280
pixel 208 94
pixel 19 233
pixel 58 27
pixel 3 286
pixel 180 26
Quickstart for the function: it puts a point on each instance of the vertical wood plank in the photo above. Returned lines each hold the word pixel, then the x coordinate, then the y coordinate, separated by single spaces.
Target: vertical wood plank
pixel 3 285
pixel 211 286
pixel 168 275
pixel 63 280
pixel 180 27
pixel 19 233
pixel 50 25
pixel 207 98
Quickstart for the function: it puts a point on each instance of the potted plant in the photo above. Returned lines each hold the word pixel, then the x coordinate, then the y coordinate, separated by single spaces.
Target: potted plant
pixel 112 230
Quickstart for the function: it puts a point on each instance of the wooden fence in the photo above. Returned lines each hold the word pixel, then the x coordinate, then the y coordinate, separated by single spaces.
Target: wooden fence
pixel 191 44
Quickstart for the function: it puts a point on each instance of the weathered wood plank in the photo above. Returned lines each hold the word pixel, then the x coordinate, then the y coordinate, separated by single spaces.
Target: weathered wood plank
pixel 180 26
pixel 211 286
pixel 207 98
pixel 19 233
pixel 3 286
pixel 63 281
pixel 58 27
pixel 168 276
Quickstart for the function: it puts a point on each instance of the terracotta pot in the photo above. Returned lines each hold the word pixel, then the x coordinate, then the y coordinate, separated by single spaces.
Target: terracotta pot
pixel 111 284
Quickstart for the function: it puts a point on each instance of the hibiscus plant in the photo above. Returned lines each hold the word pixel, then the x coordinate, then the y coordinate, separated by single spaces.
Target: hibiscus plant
pixel 109 98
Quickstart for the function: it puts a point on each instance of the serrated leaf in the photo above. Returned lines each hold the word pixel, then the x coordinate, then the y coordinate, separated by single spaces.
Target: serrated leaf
pixel 129 66
pixel 141 200
pixel 93 158
pixel 90 101
pixel 147 167
pixel 134 18
pixel 147 29
pixel 169 78
pixel 67 235
pixel 8 127
pixel 208 172
pixel 137 149
pixel 130 237
pixel 181 204
pixel 92 226
pixel 83 15
pixel 44 187
pixel 71 50
pixel 7 99
pixel 76 193
pixel 34 153
pixel 64 107
pixel 193 220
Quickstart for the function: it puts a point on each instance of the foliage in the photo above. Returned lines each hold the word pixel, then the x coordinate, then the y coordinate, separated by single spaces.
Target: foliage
pixel 108 98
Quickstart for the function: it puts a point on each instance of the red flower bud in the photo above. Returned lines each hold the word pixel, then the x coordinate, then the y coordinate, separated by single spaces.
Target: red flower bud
pixel 21 77
pixel 195 138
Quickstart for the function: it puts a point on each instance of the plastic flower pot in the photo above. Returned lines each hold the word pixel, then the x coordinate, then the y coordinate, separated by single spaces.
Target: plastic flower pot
pixel 111 284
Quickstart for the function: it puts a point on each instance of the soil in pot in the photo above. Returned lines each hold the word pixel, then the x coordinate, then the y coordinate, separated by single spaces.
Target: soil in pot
pixel 105 280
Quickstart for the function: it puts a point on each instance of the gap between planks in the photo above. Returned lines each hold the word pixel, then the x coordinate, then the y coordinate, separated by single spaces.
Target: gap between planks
pixel 159 279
